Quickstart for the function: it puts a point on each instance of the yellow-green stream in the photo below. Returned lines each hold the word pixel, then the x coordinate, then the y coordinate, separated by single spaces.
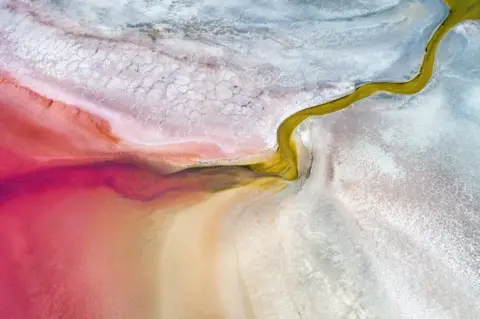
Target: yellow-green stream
pixel 284 163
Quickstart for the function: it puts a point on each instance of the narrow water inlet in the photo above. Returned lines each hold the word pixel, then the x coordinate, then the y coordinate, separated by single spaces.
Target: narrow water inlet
pixel 284 163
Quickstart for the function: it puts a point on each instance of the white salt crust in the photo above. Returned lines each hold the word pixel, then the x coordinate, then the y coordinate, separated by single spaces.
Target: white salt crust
pixel 199 71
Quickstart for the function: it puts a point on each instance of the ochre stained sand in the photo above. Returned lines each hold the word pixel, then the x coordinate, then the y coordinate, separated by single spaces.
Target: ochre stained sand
pixel 92 228
pixel 75 250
